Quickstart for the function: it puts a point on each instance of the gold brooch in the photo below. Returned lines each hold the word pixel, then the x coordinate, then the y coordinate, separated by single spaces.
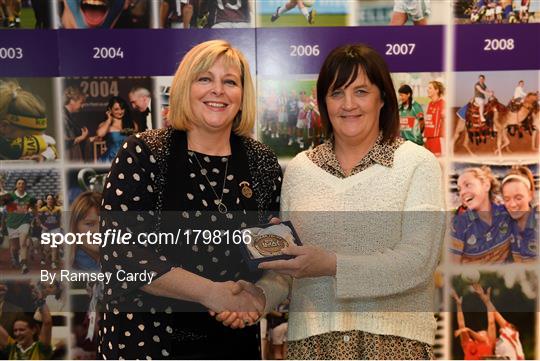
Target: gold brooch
pixel 246 190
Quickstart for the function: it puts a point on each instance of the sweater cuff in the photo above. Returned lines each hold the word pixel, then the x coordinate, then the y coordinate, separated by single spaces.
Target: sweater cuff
pixel 275 288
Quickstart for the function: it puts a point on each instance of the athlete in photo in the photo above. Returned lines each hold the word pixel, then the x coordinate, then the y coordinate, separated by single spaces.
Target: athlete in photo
pixel 176 14
pixel 302 6
pixel 475 344
pixel 518 189
pixel 508 345
pixel 434 118
pixel 18 205
pixel 92 14
pixel 50 218
pixel 483 233
pixel 415 10
pixel 29 341
pixel 227 14
pixel 411 116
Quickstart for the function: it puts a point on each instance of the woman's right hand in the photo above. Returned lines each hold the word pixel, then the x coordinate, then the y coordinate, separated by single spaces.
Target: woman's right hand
pixel 235 303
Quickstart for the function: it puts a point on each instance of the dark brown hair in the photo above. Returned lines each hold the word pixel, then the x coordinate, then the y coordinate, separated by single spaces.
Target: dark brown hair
pixel 340 69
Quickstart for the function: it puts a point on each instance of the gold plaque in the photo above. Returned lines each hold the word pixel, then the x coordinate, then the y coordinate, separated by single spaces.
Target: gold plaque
pixel 270 244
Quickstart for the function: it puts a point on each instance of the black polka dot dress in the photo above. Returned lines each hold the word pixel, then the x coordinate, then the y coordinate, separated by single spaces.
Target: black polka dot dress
pixel 151 189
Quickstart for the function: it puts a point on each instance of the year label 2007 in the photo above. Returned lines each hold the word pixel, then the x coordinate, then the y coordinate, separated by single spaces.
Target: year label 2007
pixel 400 49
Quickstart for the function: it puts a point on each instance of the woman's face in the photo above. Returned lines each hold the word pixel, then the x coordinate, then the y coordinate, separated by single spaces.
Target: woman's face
pixel 354 110
pixel 216 97
pixel 404 98
pixel 117 112
pixel 431 91
pixel 473 192
pixel 23 332
pixel 50 201
pixel 89 223
pixel 517 198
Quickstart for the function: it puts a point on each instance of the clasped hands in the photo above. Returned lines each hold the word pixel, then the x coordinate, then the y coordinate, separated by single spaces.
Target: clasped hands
pixel 236 304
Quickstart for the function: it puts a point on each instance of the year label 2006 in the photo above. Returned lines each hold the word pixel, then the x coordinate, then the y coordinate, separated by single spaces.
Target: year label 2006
pixel 108 53
pixel 11 53
pixel 304 50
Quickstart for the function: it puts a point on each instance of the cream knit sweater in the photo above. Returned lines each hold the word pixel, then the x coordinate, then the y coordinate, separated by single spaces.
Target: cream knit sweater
pixel 386 227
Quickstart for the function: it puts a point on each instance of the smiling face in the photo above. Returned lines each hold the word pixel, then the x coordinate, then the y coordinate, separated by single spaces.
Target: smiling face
pixel 431 91
pixel 354 110
pixel 404 98
pixel 117 111
pixel 23 333
pixel 83 14
pixel 20 186
pixel 473 192
pixel 216 97
pixel 50 201
pixel 517 198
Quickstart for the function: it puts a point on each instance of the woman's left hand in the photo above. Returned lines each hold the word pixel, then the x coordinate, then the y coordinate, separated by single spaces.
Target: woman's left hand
pixel 309 261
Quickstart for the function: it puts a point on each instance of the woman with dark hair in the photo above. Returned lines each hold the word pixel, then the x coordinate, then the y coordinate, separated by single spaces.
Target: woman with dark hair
pixel 372 230
pixel 116 128
pixel 29 342
pixel 411 116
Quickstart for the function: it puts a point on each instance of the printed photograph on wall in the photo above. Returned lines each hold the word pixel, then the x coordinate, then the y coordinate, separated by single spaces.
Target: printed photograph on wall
pixel 33 321
pixel 302 13
pixel 31 204
pixel 496 11
pixel 399 12
pixel 496 113
pixel 25 14
pixel 493 315
pixel 289 120
pixel 99 113
pixel 28 120
pixel 105 14
pixel 207 14
pixel 495 213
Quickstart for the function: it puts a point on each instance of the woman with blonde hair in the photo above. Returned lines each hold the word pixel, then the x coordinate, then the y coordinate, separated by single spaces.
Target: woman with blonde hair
pixel 23 121
pixel 207 173
pixel 518 196
pixel 483 232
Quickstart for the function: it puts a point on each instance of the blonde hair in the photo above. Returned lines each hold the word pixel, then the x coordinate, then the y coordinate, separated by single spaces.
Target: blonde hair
pixel 520 173
pixel 198 60
pixel 81 206
pixel 72 93
pixel 437 85
pixel 14 102
pixel 485 175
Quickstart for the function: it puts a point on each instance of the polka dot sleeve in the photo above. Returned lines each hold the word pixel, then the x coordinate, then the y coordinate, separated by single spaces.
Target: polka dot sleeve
pixel 128 206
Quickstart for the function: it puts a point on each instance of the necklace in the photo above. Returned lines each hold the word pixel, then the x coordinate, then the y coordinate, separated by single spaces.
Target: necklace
pixel 222 208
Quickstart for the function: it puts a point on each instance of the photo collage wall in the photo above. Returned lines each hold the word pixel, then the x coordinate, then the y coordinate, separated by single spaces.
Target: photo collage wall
pixel 466 74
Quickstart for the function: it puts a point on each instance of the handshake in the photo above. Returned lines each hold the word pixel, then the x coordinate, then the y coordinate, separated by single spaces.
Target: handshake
pixel 236 304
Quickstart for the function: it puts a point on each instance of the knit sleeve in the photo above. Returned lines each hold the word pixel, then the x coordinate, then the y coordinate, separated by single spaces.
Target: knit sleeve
pixel 412 261
pixel 276 287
